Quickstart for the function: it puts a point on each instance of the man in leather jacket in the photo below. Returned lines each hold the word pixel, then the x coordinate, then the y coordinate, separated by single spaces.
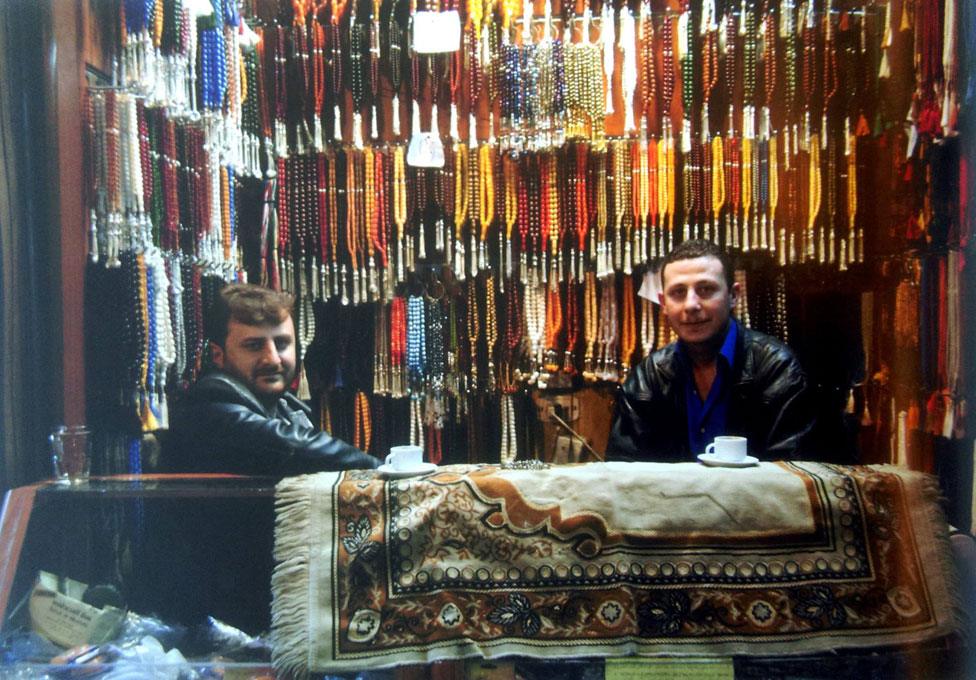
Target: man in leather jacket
pixel 240 418
pixel 719 378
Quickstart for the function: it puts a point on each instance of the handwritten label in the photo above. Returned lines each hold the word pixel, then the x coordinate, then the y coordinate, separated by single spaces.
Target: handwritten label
pixel 684 668
pixel 65 620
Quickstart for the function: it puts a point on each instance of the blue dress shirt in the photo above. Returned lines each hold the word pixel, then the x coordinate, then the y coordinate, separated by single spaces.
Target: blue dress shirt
pixel 706 419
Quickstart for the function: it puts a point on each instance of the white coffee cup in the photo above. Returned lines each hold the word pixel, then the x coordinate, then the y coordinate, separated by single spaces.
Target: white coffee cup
pixel 405 457
pixel 728 447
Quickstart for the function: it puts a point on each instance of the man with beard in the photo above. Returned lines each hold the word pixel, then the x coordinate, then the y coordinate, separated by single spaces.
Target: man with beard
pixel 719 378
pixel 239 417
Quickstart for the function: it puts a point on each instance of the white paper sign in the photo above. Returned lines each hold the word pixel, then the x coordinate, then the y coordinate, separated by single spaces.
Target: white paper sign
pixel 436 32
pixel 67 621
pixel 425 151
pixel 650 286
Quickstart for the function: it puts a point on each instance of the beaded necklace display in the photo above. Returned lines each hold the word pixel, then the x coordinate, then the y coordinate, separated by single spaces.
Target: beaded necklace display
pixel 510 174
pixel 479 252
pixel 666 147
pixel 649 248
pixel 461 197
pixel 709 31
pixel 381 350
pixel 436 360
pixel 318 70
pixel 641 199
pixel 621 182
pixel 591 324
pixel 534 307
pixel 572 324
pixel 686 60
pixel 350 291
pixel 581 208
pixel 336 65
pixel 789 134
pixel 853 240
pixel 279 74
pixel 416 346
pixel 486 196
pixel 647 328
pixel 648 74
pixel 766 134
pixel 749 160
pixel 716 181
pixel 606 368
pixel 358 71
pixel 302 82
pixel 600 251
pixel 360 231
pixel 742 305
pixel 628 327
pixel 399 207
pixel 730 148
pixel 546 216
pixel 513 338
pixel 381 243
pixel 371 216
pixel 553 328
pixel 607 39
pixel 395 55
pixel 398 347
pixel 830 87
pixel 813 197
pixel 474 331
pixel 629 71
pixel 491 331
pixel 584 85
pixel 362 422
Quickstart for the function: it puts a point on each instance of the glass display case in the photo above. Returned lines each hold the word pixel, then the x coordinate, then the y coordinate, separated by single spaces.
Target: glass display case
pixel 189 559
pixel 186 558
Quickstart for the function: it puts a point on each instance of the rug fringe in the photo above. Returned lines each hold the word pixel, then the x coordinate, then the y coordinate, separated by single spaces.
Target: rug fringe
pixel 290 642
pixel 930 515
pixel 931 491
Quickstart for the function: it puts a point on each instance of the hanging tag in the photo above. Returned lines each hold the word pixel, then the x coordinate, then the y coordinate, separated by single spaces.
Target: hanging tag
pixel 425 151
pixel 436 32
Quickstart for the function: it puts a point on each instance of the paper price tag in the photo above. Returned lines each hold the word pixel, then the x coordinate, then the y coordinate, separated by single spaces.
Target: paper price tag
pixel 436 32
pixel 66 620
pixel 425 151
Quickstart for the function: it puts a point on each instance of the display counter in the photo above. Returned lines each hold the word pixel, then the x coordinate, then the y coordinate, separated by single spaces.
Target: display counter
pixel 180 549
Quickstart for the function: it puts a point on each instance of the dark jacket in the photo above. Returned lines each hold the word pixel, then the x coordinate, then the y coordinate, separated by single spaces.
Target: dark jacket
pixel 768 403
pixel 219 426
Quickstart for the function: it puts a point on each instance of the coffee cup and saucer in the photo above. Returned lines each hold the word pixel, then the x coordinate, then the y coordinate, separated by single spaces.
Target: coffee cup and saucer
pixel 405 461
pixel 728 451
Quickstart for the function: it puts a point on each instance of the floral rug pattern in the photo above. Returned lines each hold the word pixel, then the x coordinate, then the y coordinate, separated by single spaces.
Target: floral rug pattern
pixel 600 560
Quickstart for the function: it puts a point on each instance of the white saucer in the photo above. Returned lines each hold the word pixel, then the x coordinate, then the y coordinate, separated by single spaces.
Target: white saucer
pixel 392 473
pixel 714 461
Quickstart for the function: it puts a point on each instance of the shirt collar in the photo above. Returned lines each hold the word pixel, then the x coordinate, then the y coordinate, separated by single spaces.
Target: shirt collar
pixel 728 347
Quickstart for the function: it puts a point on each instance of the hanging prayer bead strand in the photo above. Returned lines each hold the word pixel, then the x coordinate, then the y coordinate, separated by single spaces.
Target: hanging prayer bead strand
pixel 491 332
pixel 767 134
pixel 591 324
pixel 628 328
pixel 648 80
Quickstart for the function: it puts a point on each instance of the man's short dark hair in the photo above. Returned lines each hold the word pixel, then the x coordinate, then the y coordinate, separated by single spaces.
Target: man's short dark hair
pixel 695 248
pixel 248 304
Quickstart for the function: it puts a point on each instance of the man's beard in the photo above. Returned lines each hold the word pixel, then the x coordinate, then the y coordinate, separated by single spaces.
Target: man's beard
pixel 270 395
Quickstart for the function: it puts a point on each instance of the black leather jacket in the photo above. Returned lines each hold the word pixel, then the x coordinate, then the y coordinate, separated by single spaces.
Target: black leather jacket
pixel 219 426
pixel 768 403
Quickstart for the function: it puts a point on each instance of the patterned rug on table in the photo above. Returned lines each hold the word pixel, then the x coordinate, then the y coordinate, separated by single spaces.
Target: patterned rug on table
pixel 605 559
